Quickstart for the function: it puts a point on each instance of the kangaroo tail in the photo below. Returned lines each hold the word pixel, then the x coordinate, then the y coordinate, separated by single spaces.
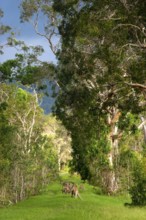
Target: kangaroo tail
pixel 79 196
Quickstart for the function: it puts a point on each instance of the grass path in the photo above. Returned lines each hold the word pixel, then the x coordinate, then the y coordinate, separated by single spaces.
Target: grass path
pixel 53 205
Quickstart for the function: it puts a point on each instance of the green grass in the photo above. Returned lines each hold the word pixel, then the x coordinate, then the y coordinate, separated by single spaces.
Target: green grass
pixel 55 205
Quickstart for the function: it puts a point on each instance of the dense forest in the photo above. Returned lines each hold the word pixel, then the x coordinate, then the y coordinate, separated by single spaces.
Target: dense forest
pixel 97 126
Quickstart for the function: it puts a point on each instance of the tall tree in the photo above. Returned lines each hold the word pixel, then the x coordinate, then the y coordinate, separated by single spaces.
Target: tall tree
pixel 103 51
pixel 60 139
pixel 101 55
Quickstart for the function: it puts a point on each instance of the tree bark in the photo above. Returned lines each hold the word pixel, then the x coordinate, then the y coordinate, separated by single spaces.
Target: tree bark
pixel 113 118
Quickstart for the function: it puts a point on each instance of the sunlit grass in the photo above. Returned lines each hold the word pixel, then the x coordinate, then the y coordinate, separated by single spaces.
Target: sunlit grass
pixel 55 205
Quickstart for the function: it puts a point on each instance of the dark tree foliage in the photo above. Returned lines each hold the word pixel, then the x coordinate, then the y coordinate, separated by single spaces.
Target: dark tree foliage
pixel 101 66
pixel 138 188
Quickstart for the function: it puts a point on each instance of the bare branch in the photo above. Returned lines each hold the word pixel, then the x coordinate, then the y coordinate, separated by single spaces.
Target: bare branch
pixel 132 26
pixel 142 124
pixel 137 85
pixel 49 37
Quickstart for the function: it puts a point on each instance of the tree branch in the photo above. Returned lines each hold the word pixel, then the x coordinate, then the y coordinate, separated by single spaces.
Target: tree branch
pixel 49 37
pixel 137 85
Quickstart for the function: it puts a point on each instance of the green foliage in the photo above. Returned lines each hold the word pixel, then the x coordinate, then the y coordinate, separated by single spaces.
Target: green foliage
pixel 138 188
pixel 30 7
pixel 3 28
pixel 28 159
pixel 60 139
pixel 25 70
pixel 96 68
pixel 6 69
pixel 101 67
pixel 10 40
pixel 129 123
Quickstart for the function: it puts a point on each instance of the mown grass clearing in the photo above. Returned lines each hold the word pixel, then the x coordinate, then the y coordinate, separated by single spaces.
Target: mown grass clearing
pixel 55 205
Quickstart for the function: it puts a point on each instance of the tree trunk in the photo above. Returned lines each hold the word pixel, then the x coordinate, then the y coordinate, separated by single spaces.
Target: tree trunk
pixel 59 158
pixel 143 126
pixel 112 178
pixel 22 190
pixel 15 176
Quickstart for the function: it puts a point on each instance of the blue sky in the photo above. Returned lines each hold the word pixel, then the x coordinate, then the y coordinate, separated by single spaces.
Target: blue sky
pixel 24 31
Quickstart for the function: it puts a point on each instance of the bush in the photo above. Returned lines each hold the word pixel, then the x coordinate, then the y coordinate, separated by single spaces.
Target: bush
pixel 138 188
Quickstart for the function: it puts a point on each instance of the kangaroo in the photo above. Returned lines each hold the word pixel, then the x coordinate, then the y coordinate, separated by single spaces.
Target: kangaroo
pixel 75 191
pixel 67 187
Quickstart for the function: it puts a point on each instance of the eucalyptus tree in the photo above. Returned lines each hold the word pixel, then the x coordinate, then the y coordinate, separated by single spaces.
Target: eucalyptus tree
pixel 44 19
pixel 27 156
pixel 101 74
pixel 60 138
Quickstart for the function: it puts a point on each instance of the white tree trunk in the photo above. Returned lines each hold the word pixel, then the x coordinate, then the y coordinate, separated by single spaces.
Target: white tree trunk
pixel 22 187
pixel 143 126
pixel 114 151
